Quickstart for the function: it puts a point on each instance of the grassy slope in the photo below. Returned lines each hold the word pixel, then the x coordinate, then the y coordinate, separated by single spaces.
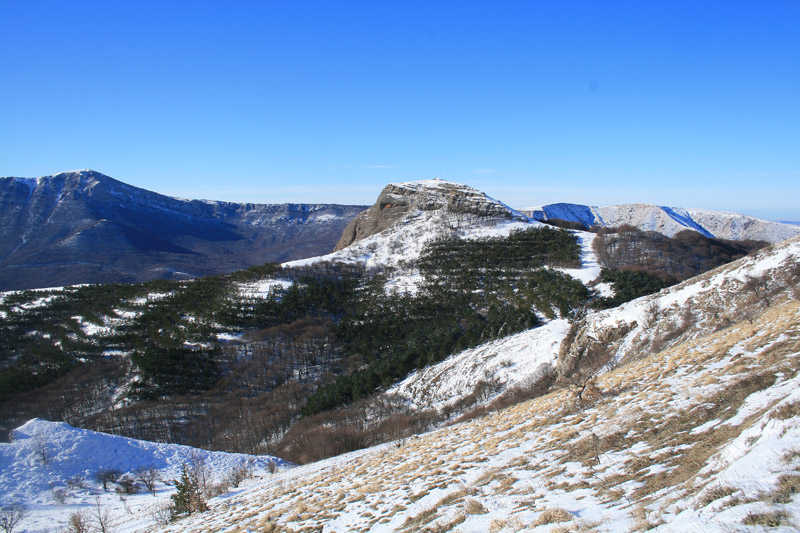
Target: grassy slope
pixel 664 442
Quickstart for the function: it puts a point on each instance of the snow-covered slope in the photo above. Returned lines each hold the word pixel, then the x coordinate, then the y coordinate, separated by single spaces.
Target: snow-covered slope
pixel 393 232
pixel 668 220
pixel 50 467
pixel 699 434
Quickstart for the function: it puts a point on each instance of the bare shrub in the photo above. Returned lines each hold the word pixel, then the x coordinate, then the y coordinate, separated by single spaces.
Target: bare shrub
pixel 76 482
pixel 42 450
pixel 102 518
pixel 239 473
pixel 78 522
pixel 127 485
pixel 59 494
pixel 162 512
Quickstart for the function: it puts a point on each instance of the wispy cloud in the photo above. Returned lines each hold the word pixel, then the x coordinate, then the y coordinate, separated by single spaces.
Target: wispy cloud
pixel 379 166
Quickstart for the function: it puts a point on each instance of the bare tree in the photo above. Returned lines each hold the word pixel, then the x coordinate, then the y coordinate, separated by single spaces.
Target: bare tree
pixel 108 475
pixel 148 476
pixel 11 515
pixel 759 286
pixel 102 517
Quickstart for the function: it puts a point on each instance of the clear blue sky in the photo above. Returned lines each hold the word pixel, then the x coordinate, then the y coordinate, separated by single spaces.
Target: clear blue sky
pixel 693 104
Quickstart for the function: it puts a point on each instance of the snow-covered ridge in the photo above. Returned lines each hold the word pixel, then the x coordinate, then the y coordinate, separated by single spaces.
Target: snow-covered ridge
pixel 668 220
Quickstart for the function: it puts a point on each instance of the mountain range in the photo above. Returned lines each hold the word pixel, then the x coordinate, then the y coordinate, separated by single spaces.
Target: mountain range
pixel 85 227
pixel 667 220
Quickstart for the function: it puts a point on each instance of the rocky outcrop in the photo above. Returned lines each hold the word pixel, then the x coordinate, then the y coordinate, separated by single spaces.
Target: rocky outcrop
pixel 399 200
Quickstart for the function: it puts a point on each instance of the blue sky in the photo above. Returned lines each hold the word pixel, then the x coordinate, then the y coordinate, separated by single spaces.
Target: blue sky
pixel 693 104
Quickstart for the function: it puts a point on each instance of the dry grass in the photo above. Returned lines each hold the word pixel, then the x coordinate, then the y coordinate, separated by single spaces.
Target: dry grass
pixel 473 506
pixel 786 411
pixel 553 515
pixel 715 493
pixel 771 519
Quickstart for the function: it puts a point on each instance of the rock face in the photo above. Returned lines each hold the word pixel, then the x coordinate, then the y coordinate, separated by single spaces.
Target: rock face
pixel 668 220
pixel 85 227
pixel 397 200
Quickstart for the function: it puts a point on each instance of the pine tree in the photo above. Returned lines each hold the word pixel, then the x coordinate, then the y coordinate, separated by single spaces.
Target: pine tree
pixel 189 498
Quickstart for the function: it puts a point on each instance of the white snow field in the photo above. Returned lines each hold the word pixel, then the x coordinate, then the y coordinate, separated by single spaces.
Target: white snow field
pixel 50 468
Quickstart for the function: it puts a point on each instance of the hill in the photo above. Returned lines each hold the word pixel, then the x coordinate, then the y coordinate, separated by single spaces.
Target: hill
pixel 85 227
pixel 56 471
pixel 701 435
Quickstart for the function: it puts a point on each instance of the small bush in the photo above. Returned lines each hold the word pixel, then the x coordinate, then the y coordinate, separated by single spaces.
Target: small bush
pixel 78 523
pixel 127 485
pixel 239 473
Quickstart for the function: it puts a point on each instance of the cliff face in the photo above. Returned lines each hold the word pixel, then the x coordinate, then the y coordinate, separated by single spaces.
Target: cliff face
pixel 399 200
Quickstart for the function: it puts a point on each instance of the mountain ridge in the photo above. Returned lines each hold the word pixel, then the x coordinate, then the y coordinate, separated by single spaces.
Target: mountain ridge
pixel 667 220
pixel 83 227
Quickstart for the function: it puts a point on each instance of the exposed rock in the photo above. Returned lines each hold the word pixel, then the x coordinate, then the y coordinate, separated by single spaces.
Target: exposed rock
pixel 398 200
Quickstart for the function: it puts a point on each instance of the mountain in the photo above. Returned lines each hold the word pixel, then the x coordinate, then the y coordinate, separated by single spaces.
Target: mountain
pixel 85 227
pixel 668 220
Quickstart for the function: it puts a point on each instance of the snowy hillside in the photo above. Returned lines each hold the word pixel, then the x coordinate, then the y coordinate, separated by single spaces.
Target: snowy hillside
pixel 700 433
pixel 668 220
pixel 51 468
pixel 423 211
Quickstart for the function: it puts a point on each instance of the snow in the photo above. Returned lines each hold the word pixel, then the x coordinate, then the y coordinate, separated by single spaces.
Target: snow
pixel 509 361
pixel 264 288
pixel 669 220
pixel 47 458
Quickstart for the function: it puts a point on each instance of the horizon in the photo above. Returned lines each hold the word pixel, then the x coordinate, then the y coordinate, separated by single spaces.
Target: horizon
pixel 679 104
